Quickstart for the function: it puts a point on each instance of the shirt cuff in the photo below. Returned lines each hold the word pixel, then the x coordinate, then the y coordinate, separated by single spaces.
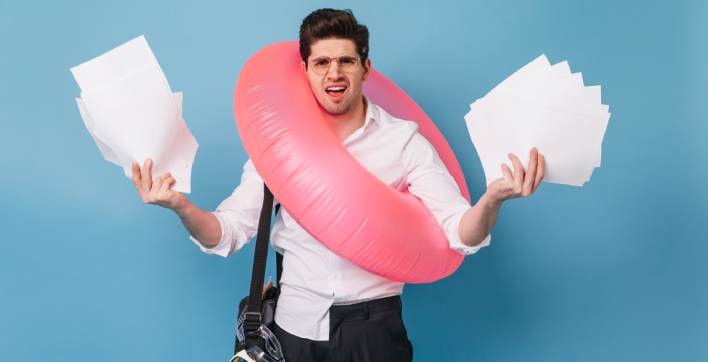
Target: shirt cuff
pixel 456 243
pixel 223 248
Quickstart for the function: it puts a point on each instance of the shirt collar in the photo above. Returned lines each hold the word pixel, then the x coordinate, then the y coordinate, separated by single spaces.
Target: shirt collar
pixel 372 115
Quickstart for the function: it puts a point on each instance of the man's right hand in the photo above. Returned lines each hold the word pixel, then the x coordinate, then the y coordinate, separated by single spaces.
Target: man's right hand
pixel 156 191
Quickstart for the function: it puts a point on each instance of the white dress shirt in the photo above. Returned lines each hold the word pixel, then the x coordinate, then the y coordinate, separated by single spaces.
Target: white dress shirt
pixel 313 277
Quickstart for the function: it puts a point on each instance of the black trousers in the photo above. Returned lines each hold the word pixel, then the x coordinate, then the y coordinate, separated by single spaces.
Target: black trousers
pixel 365 332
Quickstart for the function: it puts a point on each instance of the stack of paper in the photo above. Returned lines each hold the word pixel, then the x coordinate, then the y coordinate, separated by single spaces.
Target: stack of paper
pixel 546 107
pixel 131 113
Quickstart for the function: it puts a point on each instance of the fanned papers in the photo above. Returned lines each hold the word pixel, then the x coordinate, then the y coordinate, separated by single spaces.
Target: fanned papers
pixel 546 107
pixel 131 113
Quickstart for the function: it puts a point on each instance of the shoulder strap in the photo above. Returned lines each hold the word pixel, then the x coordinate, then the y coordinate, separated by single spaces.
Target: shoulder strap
pixel 253 316
pixel 278 261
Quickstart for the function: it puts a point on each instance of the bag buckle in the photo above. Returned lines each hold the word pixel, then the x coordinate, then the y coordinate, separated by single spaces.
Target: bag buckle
pixel 251 323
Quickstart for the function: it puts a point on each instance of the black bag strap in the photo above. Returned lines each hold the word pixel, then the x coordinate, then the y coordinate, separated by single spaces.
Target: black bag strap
pixel 252 322
pixel 278 260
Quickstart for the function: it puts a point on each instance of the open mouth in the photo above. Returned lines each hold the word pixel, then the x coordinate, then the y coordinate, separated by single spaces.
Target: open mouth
pixel 336 91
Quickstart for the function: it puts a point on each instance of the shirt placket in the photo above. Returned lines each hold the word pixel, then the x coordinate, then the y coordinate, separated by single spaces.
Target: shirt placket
pixel 335 278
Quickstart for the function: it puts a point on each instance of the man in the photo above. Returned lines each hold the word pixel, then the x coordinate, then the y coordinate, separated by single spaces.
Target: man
pixel 329 309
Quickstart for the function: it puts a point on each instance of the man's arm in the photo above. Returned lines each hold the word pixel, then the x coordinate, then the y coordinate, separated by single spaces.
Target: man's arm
pixel 201 224
pixel 478 221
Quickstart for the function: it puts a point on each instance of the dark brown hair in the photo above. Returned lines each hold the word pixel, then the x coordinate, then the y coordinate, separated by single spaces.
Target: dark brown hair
pixel 329 23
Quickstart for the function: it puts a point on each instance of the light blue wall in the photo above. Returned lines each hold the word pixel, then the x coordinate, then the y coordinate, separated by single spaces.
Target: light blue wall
pixel 612 271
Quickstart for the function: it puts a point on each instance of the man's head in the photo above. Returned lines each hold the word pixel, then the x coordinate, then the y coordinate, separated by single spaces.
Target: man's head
pixel 328 36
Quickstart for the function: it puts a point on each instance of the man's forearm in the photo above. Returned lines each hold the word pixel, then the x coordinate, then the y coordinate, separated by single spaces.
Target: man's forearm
pixel 201 224
pixel 478 221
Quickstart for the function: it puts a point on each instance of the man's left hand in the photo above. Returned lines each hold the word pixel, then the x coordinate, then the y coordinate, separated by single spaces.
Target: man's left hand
pixel 520 183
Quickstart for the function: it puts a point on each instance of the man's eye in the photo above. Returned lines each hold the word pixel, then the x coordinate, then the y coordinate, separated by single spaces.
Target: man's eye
pixel 320 62
pixel 347 60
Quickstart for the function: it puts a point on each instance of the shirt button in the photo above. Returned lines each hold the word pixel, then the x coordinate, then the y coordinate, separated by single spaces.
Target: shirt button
pixel 335 276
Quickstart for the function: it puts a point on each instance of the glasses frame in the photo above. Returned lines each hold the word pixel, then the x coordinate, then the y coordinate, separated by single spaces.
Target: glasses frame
pixel 338 63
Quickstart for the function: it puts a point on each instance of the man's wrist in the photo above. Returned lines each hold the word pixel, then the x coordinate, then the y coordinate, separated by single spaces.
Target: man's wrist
pixel 488 202
pixel 182 207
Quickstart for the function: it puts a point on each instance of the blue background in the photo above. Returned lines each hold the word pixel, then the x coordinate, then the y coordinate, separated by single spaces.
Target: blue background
pixel 612 271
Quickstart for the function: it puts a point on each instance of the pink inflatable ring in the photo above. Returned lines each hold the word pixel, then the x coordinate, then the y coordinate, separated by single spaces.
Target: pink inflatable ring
pixel 331 195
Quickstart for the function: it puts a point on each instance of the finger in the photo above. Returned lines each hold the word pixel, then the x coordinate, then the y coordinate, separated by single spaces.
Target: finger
pixel 157 184
pixel 506 171
pixel 530 176
pixel 518 171
pixel 166 185
pixel 147 176
pixel 165 182
pixel 540 173
pixel 137 180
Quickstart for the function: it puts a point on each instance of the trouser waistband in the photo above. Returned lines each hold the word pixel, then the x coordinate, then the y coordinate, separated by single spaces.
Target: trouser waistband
pixel 366 308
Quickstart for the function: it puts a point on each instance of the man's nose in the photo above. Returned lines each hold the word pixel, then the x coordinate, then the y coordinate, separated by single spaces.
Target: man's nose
pixel 334 72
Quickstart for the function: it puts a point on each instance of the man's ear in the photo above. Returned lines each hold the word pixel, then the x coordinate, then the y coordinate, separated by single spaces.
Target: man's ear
pixel 304 66
pixel 367 70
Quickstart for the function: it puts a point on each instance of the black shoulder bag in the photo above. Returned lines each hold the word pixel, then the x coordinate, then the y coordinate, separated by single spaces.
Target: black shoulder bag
pixel 256 312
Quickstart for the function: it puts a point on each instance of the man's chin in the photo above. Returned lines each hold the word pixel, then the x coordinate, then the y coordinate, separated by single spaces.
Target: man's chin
pixel 337 109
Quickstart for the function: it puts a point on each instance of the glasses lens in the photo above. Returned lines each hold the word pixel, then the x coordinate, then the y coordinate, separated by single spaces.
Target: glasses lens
pixel 320 65
pixel 347 62
pixel 272 344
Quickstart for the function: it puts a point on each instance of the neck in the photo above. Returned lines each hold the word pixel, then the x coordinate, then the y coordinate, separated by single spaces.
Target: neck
pixel 344 125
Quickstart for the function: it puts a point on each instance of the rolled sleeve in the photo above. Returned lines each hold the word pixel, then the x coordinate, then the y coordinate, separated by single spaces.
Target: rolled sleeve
pixel 456 244
pixel 226 245
pixel 238 214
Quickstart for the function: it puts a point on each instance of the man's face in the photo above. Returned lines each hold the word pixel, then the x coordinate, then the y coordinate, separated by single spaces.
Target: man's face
pixel 336 91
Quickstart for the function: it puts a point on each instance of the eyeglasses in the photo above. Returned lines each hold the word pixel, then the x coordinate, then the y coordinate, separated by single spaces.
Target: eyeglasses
pixel 346 62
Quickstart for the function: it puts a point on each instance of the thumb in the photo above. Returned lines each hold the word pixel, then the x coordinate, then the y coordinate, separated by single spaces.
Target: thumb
pixel 506 171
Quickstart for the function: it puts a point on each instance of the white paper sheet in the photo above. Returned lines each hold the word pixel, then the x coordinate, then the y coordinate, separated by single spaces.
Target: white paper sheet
pixel 116 64
pixel 129 110
pixel 566 88
pixel 540 75
pixel 106 151
pixel 537 64
pixel 546 107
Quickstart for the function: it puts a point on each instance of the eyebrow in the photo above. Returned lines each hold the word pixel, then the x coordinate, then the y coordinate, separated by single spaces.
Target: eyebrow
pixel 317 56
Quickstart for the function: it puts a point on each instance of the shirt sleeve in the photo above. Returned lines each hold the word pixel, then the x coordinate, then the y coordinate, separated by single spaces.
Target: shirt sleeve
pixel 238 214
pixel 429 180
